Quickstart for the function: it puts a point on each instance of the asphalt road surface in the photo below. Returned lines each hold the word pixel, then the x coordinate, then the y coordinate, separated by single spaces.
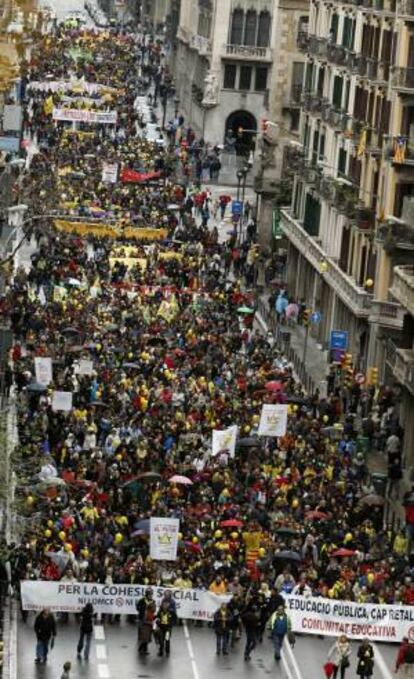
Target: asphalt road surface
pixel 114 655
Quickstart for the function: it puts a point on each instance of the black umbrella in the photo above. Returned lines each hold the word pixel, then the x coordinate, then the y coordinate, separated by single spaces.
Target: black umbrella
pixel 249 442
pixel 70 330
pixel 36 388
pixel 288 555
pixel 98 404
pixel 148 476
pixel 285 530
pixel 131 366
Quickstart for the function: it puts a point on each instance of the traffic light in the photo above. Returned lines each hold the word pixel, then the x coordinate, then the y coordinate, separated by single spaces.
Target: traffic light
pixel 306 317
pixel 347 370
pixel 347 361
pixel 372 376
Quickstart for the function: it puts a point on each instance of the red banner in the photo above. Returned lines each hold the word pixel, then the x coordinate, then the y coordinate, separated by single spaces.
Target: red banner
pixel 138 177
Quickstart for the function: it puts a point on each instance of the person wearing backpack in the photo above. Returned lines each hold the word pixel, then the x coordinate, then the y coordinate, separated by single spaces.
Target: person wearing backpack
pixel 405 659
pixel 280 625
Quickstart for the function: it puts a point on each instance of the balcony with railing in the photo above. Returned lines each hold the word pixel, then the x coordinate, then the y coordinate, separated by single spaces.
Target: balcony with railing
pixel 403 78
pixel 250 52
pixel 396 234
pixel 318 46
pixel 355 297
pixel 383 6
pixel 406 10
pixel 313 102
pixel 336 54
pixel 401 151
pixel 403 286
pixel 404 368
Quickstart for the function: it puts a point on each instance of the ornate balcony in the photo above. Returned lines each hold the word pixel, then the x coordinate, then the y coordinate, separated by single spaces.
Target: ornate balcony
pixel 356 298
pixel 403 286
pixel 201 44
pixel 318 46
pixel 403 157
pixel 403 78
pixel 406 10
pixel 249 52
pixel 396 234
pixel 337 54
pixel 365 218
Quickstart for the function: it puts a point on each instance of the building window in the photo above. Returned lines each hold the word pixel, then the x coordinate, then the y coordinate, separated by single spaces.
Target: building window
pixel 312 215
pixel 261 78
pixel 348 33
pixel 294 119
pixel 337 92
pixel 250 27
pixel 297 81
pixel 229 76
pixel 245 77
pixel 237 23
pixel 263 32
pixel 342 163
pixel 333 33
pixel 303 25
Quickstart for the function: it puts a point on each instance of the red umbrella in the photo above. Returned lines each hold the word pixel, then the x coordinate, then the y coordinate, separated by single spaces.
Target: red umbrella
pixel 344 552
pixel 315 515
pixel 231 523
pixel 274 386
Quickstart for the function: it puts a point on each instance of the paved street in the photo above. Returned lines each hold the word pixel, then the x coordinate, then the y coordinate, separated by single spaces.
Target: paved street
pixel 192 658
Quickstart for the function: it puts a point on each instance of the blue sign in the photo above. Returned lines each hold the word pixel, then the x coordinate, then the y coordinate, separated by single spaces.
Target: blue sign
pixel 339 340
pixel 236 207
pixel 10 144
pixel 316 317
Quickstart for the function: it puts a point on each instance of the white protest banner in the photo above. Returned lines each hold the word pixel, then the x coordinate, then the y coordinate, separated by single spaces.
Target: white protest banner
pixel 192 604
pixel 62 400
pixel 85 367
pixel 224 439
pixel 85 116
pixel 273 420
pixel 164 538
pixel 110 173
pixel 69 85
pixel 331 617
pixel 43 370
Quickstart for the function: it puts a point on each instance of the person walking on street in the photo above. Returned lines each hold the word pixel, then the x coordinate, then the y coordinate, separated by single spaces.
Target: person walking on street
pixel 251 621
pixel 146 618
pixel 45 629
pixel 86 629
pixel 405 659
pixel 165 620
pixel 280 625
pixel 339 655
pixel 365 666
pixel 66 670
pixel 222 627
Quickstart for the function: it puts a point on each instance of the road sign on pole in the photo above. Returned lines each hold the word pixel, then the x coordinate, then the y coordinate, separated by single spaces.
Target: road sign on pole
pixel 236 207
pixel 339 340
pixel 316 317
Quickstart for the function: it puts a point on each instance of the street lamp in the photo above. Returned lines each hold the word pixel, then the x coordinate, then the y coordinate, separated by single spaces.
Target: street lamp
pixel 241 182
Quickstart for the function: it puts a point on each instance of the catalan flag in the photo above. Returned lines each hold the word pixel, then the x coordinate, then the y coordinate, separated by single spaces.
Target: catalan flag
pixel 400 149
pixel 362 143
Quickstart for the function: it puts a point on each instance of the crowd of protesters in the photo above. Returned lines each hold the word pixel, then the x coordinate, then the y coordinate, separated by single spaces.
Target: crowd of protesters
pixel 175 355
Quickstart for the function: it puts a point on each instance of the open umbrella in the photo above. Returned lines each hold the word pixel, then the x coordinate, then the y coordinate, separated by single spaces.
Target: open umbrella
pixel 74 282
pixel 288 555
pixel 36 388
pixel 131 366
pixel 249 442
pixel 184 480
pixel 372 500
pixel 245 310
pixel 231 523
pixel 143 524
pixel 343 552
pixel 274 386
pixel 70 330
pixel 285 530
pixel 139 533
pixel 148 477
pixel 98 404
pixel 314 515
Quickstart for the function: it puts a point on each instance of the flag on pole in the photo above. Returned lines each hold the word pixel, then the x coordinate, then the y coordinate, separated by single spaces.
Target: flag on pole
pixel 400 148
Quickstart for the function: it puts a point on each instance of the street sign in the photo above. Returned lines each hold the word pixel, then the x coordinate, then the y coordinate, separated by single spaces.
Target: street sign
pixel 360 378
pixel 316 317
pixel 339 340
pixel 236 207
